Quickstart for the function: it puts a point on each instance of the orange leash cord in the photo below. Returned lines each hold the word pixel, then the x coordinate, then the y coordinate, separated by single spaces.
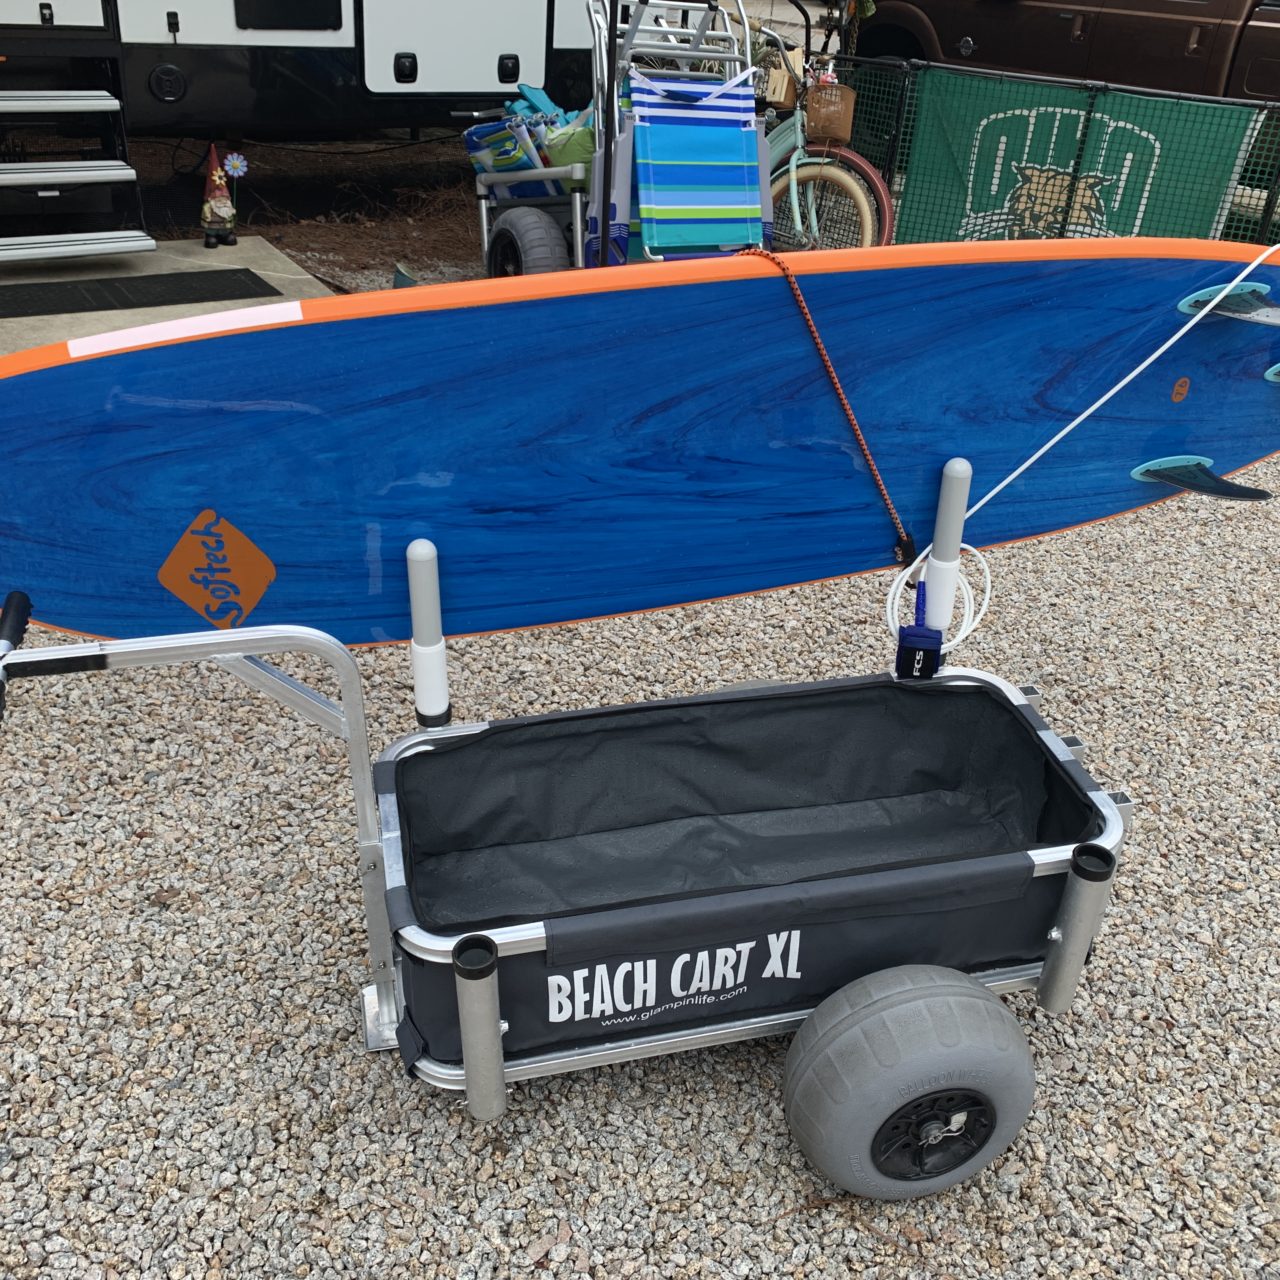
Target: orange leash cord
pixel 905 550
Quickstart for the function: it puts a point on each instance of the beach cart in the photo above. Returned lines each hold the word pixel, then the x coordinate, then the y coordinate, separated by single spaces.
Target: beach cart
pixel 869 863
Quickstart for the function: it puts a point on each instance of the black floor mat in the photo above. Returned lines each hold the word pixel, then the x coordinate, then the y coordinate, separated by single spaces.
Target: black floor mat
pixel 176 288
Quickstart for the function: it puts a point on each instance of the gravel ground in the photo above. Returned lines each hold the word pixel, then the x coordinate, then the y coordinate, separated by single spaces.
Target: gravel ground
pixel 182 1091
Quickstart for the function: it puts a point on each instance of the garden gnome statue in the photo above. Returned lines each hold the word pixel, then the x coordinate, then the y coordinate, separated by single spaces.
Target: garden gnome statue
pixel 218 216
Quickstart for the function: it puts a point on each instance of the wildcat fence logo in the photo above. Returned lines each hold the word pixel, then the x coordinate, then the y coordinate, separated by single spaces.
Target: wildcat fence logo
pixel 627 992
pixel 218 571
pixel 1030 178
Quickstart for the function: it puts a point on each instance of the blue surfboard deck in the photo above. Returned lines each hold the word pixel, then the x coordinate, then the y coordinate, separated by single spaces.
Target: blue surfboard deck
pixel 595 443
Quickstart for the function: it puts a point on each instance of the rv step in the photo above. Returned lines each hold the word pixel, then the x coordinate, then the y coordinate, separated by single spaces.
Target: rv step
pixel 65 173
pixel 95 244
pixel 43 102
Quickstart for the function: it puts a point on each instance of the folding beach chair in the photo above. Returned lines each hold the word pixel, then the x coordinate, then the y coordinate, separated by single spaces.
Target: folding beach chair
pixel 505 146
pixel 673 90
pixel 697 151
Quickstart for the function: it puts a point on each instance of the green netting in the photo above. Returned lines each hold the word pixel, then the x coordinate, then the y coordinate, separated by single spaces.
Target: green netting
pixel 881 88
pixel 981 156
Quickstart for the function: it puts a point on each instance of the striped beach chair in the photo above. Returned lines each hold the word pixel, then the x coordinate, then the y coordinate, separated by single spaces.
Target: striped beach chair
pixel 505 146
pixel 698 176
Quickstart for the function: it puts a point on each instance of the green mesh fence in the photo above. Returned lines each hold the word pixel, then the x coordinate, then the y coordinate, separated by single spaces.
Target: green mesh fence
pixel 979 156
pixel 882 88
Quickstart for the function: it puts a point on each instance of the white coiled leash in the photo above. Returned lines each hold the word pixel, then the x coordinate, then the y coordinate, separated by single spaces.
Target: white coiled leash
pixel 947 576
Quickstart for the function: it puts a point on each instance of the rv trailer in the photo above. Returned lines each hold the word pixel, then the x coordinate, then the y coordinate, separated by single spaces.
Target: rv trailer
pixel 293 68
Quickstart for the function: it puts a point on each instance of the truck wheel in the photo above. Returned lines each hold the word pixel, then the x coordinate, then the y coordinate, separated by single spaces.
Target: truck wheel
pixel 907 1081
pixel 888 42
pixel 526 242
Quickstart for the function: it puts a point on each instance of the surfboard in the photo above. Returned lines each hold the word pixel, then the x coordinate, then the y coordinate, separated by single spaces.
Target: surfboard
pixel 592 443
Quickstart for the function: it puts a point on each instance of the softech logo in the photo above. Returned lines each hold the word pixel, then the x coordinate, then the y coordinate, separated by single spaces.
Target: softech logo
pixel 217 570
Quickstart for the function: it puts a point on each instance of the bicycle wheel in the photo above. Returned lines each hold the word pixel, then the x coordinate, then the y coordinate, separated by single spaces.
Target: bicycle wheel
pixel 828 209
pixel 862 169
pixel 873 201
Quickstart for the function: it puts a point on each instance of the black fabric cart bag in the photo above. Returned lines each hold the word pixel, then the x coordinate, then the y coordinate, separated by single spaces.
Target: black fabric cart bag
pixel 670 846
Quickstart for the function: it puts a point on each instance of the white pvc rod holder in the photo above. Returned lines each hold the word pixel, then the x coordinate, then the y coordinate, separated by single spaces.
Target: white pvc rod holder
pixel 942 571
pixel 426 649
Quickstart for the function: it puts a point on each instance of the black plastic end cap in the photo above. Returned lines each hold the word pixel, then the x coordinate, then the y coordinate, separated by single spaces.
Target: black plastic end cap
pixel 438 720
pixel 1093 862
pixel 14 617
pixel 475 956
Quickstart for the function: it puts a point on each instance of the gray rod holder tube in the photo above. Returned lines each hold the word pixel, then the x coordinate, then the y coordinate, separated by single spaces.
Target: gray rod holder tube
pixel 942 570
pixel 1084 899
pixel 953 499
pixel 426 650
pixel 475 973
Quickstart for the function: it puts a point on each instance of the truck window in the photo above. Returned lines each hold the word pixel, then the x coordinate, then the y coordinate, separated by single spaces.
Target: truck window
pixel 289 15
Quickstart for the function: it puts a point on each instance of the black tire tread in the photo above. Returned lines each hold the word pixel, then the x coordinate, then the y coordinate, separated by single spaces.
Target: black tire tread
pixel 539 238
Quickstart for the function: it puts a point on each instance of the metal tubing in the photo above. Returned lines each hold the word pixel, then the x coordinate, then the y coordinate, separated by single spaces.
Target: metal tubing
pixel 228 648
pixel 1084 899
pixel 482 200
pixel 475 972
pixel 577 202
pixel 608 108
pixel 559 173
pixel 427 651
pixel 379 1015
pixel 259 674
pixel 158 651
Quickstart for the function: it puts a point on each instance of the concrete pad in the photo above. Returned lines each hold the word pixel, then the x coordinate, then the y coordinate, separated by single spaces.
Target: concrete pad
pixel 252 252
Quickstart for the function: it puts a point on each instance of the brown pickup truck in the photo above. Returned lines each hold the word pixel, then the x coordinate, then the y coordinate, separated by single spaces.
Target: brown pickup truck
pixel 1224 48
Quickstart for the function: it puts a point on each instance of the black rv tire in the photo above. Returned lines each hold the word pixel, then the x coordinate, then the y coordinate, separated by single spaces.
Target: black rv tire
pixel 526 242
pixel 908 1081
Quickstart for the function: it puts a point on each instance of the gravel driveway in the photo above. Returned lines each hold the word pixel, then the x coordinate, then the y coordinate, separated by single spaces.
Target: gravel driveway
pixel 182 1092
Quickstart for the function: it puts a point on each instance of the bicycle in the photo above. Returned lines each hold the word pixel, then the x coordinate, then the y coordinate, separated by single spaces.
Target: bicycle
pixel 826 195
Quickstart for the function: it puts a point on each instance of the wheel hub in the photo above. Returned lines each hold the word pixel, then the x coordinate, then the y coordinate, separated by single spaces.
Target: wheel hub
pixel 505 257
pixel 934 1131
pixel 933 1134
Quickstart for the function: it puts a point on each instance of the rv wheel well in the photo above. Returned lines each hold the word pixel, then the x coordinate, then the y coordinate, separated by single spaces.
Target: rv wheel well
pixel 888 42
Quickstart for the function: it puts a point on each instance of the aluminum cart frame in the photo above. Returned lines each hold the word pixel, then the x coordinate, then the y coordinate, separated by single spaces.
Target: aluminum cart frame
pixel 396 940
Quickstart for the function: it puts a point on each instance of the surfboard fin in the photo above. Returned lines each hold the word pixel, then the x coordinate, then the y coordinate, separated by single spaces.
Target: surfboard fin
pixel 1245 302
pixel 1196 476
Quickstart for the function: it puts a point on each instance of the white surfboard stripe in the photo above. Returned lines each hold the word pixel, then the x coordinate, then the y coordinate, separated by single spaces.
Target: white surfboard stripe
pixel 188 327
